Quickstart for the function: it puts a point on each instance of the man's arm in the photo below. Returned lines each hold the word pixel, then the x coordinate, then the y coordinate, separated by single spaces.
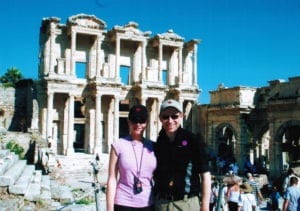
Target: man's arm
pixel 285 205
pixel 206 189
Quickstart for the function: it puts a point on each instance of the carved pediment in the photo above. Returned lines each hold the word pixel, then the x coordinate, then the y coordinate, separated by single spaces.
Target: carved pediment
pixel 89 21
pixel 131 29
pixel 170 35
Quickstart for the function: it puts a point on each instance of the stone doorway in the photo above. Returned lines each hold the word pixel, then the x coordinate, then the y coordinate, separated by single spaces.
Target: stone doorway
pixel 79 138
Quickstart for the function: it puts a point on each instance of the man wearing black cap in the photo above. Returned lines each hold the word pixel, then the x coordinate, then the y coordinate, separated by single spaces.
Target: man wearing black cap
pixel 181 160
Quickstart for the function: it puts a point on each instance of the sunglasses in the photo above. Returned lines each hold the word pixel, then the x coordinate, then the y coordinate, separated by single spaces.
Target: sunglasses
pixel 166 117
pixel 138 121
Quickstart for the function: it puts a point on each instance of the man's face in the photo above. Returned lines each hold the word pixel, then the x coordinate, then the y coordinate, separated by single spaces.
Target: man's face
pixel 171 119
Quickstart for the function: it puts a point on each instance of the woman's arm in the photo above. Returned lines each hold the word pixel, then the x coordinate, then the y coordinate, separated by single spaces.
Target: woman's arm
pixel 206 189
pixel 112 180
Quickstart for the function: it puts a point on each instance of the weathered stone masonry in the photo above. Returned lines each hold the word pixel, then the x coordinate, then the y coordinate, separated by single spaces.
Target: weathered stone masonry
pixel 89 111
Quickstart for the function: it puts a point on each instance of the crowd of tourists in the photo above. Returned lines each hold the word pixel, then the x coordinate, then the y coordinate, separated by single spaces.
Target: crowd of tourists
pixel 246 194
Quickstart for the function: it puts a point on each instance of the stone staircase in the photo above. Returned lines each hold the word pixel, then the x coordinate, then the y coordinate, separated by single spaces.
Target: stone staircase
pixel 67 182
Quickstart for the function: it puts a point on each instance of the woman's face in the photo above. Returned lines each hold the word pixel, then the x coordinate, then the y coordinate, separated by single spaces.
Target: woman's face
pixel 137 128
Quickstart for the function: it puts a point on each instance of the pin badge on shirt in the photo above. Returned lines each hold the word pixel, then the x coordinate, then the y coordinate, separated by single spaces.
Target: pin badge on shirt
pixel 184 143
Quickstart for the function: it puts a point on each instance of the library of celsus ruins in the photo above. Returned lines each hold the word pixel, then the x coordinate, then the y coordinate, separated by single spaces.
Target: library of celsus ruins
pixel 89 77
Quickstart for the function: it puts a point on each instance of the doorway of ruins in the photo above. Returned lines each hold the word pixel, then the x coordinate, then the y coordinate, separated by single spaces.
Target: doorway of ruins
pixel 79 125
pixel 289 135
pixel 123 125
pixel 225 138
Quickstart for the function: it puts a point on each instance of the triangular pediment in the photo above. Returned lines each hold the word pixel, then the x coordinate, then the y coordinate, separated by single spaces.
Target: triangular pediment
pixel 84 20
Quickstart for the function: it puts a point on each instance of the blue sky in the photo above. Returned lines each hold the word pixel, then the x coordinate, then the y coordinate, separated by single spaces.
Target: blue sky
pixel 244 42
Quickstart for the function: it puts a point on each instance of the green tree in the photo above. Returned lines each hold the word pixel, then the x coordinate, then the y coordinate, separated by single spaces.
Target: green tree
pixel 11 77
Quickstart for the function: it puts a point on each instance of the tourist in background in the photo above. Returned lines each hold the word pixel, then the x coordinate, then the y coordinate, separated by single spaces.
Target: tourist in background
pixel 181 159
pixel 232 195
pixel 131 167
pixel 286 182
pixel 292 196
pixel 255 189
pixel 213 195
pixel 247 201
pixel 275 198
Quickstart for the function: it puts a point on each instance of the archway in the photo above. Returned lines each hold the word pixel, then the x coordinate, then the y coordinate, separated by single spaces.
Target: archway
pixel 289 136
pixel 226 144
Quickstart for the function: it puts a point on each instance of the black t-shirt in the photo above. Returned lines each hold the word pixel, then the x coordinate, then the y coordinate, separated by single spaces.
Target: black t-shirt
pixel 179 163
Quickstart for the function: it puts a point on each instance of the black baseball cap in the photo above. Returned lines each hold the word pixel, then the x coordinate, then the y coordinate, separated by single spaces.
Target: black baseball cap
pixel 138 114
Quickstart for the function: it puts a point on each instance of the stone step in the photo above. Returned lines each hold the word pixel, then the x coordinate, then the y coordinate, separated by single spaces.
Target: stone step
pixel 12 174
pixel 7 159
pixel 34 188
pixel 61 193
pixel 24 180
pixel 21 185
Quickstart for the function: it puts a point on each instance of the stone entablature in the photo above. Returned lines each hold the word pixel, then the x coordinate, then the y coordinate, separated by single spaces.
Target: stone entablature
pixel 242 96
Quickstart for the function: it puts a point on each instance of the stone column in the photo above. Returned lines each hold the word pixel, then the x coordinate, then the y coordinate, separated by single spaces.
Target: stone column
pixel 70 149
pixel 275 151
pixel 92 129
pixel 117 67
pixel 98 129
pixel 52 51
pixel 46 54
pixel 183 109
pixel 159 125
pixel 116 118
pixel 49 114
pixel 99 61
pixel 144 60
pixel 180 72
pixel 73 53
pixel 160 58
pixel 195 71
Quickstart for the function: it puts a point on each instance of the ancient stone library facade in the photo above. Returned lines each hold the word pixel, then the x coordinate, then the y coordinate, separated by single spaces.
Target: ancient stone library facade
pixel 89 77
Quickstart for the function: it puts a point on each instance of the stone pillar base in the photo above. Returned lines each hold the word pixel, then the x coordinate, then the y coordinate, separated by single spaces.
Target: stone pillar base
pixel 70 151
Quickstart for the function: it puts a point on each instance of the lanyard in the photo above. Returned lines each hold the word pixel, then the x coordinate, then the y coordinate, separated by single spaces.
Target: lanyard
pixel 136 161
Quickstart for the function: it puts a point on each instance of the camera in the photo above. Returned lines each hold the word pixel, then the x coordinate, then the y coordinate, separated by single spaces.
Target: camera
pixel 137 186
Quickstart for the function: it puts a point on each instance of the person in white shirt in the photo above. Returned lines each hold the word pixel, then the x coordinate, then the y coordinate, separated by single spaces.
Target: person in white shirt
pixel 247 201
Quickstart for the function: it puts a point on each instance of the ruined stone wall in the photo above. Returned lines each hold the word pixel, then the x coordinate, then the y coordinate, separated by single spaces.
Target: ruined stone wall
pixel 17 110
pixel 7 105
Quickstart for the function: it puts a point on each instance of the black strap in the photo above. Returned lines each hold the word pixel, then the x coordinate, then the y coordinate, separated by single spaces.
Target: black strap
pixel 138 168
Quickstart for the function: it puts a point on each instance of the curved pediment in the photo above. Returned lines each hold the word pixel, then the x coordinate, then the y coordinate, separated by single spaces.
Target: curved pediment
pixel 131 28
pixel 170 35
pixel 84 20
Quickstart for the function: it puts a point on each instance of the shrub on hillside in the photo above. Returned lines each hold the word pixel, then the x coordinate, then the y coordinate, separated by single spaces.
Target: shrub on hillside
pixel 16 148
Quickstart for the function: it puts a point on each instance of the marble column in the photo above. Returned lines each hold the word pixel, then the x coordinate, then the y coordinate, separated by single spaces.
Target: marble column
pixel 73 53
pixel 195 73
pixel 116 118
pixel 144 60
pixel 180 72
pixel 52 44
pixel 98 129
pixel 49 114
pixel 99 59
pixel 117 57
pixel 160 58
pixel 159 125
pixel 71 138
